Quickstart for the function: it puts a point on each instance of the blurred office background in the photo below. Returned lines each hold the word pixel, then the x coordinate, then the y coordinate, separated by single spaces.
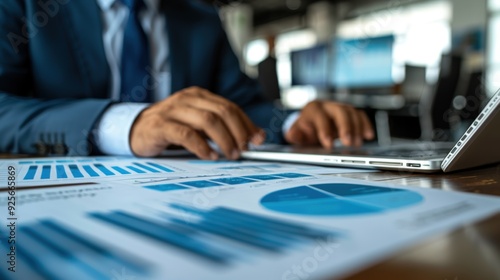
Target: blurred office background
pixel 423 69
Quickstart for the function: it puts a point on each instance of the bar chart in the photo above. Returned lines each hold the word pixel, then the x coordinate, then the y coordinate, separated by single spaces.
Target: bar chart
pixel 220 236
pixel 198 235
pixel 87 168
pixel 224 181
pixel 51 250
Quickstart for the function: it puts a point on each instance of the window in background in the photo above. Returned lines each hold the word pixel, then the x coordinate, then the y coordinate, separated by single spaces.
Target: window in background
pixel 256 51
pixel 493 55
pixel 494 5
pixel 285 44
pixel 422 33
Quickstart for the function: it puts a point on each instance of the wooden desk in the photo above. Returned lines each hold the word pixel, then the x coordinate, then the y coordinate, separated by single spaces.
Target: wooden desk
pixel 471 252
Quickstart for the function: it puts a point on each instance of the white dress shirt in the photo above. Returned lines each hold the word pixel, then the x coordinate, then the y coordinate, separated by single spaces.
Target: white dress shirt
pixel 112 131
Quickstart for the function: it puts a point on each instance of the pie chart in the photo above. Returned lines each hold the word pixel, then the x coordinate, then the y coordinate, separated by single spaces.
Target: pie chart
pixel 339 200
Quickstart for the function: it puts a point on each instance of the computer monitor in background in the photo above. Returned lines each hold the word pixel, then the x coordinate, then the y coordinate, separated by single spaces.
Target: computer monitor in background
pixel 310 66
pixel 363 63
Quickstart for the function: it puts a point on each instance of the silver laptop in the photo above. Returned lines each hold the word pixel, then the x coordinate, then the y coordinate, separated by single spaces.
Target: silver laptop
pixel 478 146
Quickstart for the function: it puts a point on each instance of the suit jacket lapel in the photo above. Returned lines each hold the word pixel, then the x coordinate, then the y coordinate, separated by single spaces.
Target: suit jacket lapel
pixel 84 27
pixel 179 42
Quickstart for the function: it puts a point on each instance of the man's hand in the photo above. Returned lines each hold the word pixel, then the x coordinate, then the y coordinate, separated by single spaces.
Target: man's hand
pixel 187 119
pixel 320 122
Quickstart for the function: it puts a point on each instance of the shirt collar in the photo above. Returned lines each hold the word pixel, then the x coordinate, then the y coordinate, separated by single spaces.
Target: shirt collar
pixel 107 4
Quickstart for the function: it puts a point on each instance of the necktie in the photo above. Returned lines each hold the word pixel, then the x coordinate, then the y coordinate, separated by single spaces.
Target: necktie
pixel 135 78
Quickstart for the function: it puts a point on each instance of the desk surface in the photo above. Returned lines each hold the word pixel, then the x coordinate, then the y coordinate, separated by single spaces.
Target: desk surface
pixel 472 252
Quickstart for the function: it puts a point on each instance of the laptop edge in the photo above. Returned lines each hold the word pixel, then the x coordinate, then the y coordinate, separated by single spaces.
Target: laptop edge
pixel 476 147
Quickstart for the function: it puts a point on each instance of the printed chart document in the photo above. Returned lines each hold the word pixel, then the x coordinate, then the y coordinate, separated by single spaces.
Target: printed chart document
pixel 54 171
pixel 275 223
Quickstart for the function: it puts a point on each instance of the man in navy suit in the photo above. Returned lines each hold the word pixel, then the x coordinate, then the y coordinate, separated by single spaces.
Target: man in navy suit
pixel 139 76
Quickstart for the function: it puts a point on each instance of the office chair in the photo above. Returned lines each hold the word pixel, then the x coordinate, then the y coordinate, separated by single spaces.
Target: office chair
pixel 469 101
pixel 405 123
pixel 435 109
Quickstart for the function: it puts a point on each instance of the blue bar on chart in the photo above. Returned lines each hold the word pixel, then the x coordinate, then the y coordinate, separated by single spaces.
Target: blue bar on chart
pixel 254 230
pixel 229 233
pixel 226 181
pixel 80 267
pixel 103 169
pixel 100 257
pixel 90 171
pixel 30 175
pixel 120 170
pixel 292 175
pixel 61 172
pixel 218 226
pixel 242 219
pixel 23 270
pixel 75 171
pixel 44 161
pixel 165 187
pixel 45 172
pixel 146 167
pixel 79 256
pixel 263 177
pixel 234 180
pixel 239 218
pixel 136 170
pixel 161 167
pixel 180 237
pixel 50 265
pixel 201 184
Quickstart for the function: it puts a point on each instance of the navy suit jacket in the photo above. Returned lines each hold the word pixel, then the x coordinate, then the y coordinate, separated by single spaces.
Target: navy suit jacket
pixel 54 76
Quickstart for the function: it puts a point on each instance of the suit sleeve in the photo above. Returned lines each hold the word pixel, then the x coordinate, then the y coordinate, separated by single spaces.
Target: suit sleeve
pixel 23 116
pixel 244 91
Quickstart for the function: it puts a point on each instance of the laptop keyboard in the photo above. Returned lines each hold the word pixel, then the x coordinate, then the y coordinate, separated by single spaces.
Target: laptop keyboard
pixel 412 153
